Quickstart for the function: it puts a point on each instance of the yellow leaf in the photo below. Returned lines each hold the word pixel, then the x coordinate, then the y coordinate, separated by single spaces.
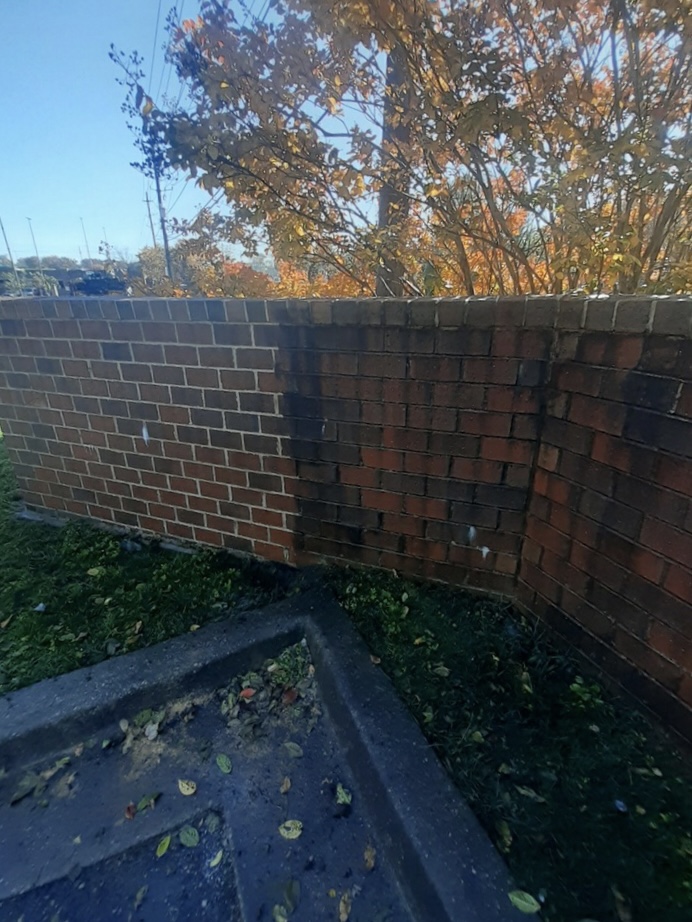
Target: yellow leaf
pixel 291 829
pixel 148 106
pixel 344 907
pixel 186 787
pixel 285 785
pixel 299 231
pixel 216 860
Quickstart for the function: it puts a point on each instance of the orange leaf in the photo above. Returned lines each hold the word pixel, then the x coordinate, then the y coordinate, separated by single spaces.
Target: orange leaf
pixel 289 696
pixel 247 693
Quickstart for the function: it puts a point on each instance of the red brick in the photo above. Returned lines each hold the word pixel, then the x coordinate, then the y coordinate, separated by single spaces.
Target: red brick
pixel 597 414
pixel 674 473
pixel 430 465
pixel 485 423
pixel 627 351
pixel 678 581
pixel 490 371
pixel 671 644
pixel 684 404
pixel 426 507
pixel 506 450
pixel 382 459
pixel 648 660
pixel 478 471
pixel 668 541
pixel 386 502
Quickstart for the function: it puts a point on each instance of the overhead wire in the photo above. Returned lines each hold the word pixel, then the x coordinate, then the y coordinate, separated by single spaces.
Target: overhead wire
pixel 153 49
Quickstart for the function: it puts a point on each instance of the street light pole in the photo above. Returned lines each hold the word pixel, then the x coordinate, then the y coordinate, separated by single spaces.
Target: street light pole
pixel 86 242
pixel 9 253
pixel 38 258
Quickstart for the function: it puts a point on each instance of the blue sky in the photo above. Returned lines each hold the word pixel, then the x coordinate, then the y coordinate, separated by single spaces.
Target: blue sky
pixel 65 150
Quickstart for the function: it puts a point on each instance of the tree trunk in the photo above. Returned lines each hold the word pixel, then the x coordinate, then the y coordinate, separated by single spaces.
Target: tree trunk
pixel 394 200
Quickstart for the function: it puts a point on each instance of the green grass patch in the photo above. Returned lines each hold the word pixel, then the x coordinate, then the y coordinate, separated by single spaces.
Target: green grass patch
pixel 592 811
pixel 72 596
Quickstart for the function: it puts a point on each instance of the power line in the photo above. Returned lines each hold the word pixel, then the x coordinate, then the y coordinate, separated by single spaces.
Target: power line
pixel 153 50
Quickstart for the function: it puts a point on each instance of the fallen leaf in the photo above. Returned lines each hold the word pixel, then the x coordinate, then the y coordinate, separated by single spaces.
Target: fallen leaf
pixel 289 696
pixel 622 906
pixel 524 902
pixel 285 785
pixel 343 795
pixel 141 893
pixel 162 847
pixel 63 787
pixel 138 627
pixel 293 749
pixel 151 731
pixel 148 801
pixel 441 671
pixel 247 693
pixel 49 772
pixel 105 744
pixel 292 895
pixel 187 788
pixel 26 786
pixel 505 834
pixel 216 860
pixel 375 659
pixel 291 829
pixel 344 907
pixel 530 793
pixel 331 894
pixel 189 836
pixel 130 811
pixel 369 856
pixel 124 725
pixel 77 840
pixel 194 627
pixel 5 623
pixel 279 913
pixel 224 763
pixel 212 822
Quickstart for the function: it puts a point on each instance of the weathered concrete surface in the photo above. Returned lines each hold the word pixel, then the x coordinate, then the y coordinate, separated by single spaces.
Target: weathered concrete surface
pixel 434 862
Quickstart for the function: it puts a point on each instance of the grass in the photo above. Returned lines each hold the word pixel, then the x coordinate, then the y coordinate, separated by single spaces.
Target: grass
pixel 591 810
pixel 72 596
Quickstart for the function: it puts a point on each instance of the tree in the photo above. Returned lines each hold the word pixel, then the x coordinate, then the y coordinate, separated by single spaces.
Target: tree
pixel 420 145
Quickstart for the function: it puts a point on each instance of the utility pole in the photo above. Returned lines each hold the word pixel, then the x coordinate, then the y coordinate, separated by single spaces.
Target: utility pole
pixel 86 242
pixel 9 253
pixel 38 258
pixel 162 217
pixel 106 245
pixel 151 222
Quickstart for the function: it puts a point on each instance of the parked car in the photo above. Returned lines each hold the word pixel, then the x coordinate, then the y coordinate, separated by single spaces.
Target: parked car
pixel 98 283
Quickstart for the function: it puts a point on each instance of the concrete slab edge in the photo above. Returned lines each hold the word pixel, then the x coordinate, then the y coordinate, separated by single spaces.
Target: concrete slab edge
pixel 445 863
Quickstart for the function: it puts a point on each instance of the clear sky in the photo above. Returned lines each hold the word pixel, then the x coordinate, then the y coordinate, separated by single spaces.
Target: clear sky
pixel 65 149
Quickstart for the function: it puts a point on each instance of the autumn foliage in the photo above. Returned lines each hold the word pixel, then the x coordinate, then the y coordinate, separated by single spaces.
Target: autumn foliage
pixel 472 147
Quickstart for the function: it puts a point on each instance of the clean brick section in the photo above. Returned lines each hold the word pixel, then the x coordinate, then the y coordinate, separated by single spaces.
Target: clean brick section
pixel 540 447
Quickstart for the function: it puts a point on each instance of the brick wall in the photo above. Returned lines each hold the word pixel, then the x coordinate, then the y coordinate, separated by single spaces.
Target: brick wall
pixel 539 447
